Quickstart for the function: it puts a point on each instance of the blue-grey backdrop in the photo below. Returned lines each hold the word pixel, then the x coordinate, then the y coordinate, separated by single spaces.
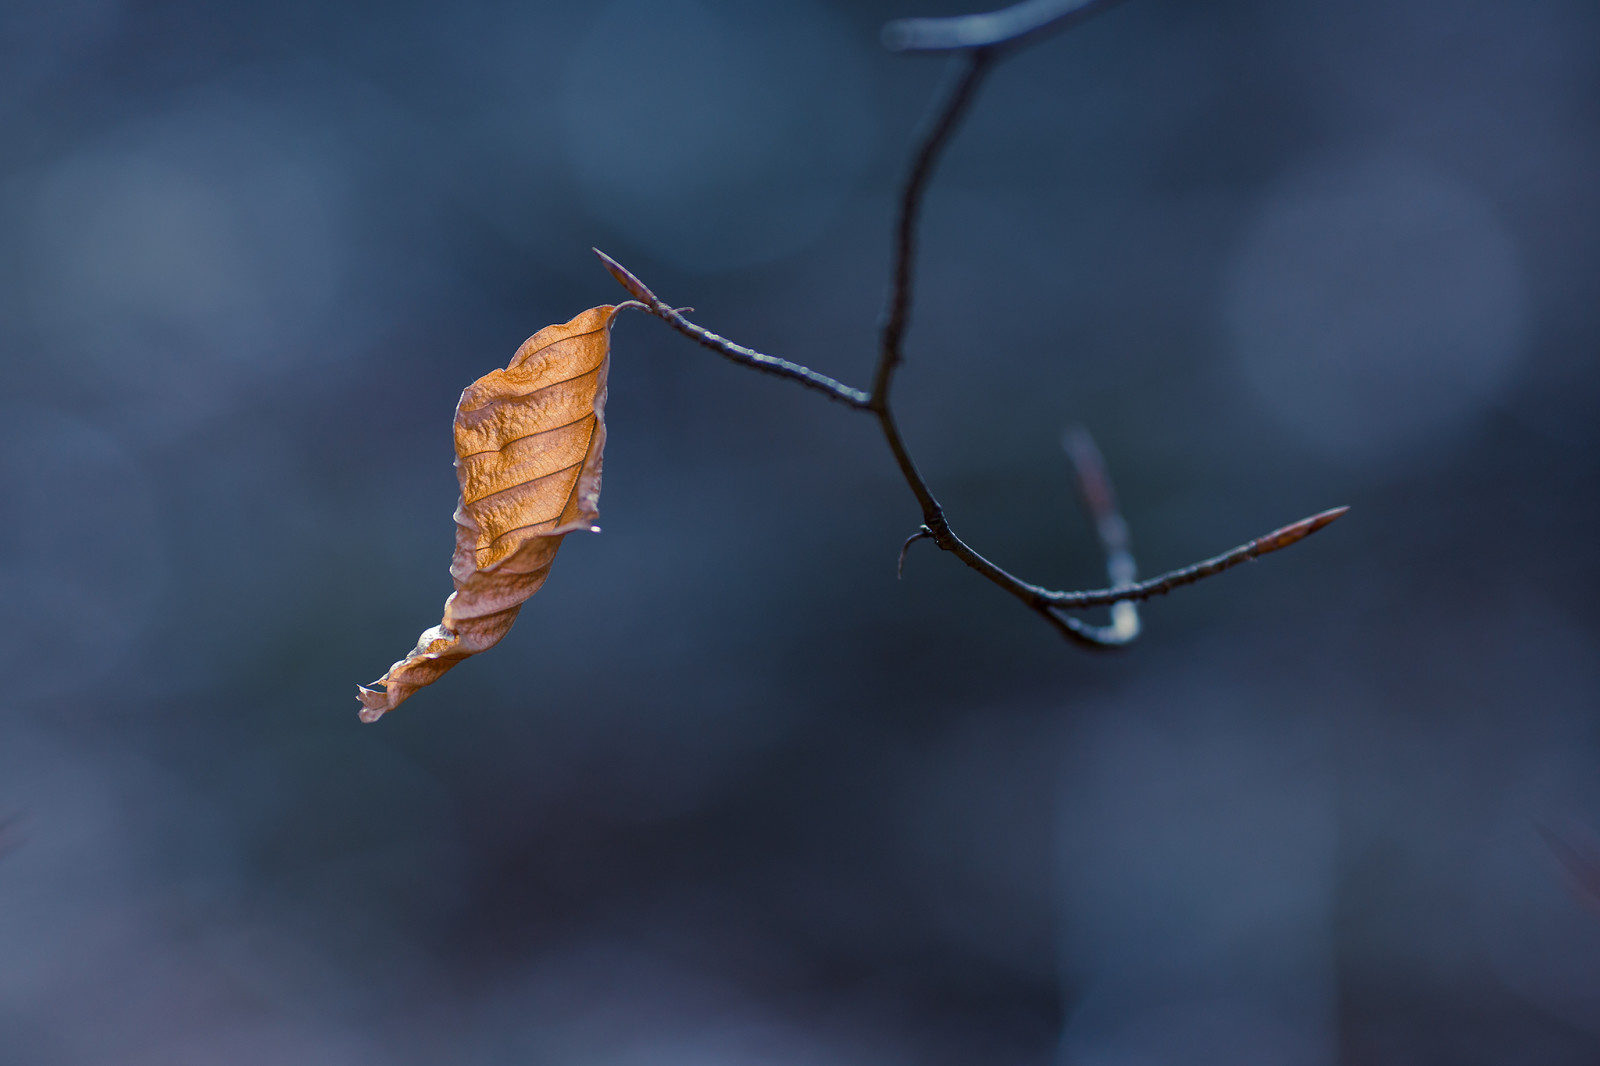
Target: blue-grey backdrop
pixel 729 793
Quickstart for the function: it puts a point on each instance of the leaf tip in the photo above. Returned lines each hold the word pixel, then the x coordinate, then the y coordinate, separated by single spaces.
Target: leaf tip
pixel 374 704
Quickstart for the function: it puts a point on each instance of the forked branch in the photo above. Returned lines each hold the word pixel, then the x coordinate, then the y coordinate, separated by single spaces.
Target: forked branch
pixel 978 42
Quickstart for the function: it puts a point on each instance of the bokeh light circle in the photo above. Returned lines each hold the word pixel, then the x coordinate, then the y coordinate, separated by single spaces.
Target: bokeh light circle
pixel 1375 306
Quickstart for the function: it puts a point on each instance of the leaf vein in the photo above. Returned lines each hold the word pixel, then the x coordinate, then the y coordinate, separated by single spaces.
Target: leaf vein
pixel 520 484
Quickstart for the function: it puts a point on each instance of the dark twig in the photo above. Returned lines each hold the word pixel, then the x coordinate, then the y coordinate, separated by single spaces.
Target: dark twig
pixel 1188 575
pixel 737 352
pixel 922 533
pixel 966 73
pixel 935 524
pixel 1009 26
pixel 977 54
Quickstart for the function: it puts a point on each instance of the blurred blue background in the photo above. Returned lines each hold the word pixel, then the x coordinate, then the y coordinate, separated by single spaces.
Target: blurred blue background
pixel 729 793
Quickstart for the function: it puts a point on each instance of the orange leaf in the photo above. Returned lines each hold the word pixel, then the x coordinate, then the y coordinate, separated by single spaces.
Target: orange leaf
pixel 528 446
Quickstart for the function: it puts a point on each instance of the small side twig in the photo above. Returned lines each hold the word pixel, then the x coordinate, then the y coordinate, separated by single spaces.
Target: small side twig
pixel 749 357
pixel 1100 500
pixel 923 533
pixel 978 40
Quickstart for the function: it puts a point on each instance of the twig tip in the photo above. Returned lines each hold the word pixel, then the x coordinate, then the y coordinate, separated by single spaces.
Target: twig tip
pixel 625 278
pixel 1297 531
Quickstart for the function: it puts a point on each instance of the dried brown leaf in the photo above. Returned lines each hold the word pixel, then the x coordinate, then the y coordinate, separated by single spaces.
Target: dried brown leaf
pixel 529 440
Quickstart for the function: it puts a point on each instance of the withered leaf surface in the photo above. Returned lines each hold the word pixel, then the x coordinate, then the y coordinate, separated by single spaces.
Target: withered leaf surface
pixel 529 440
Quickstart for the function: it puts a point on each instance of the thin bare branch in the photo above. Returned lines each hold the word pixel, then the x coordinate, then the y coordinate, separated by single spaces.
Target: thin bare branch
pixel 936 527
pixel 1008 26
pixel 966 73
pixel 1277 540
pixel 977 40
pixel 737 352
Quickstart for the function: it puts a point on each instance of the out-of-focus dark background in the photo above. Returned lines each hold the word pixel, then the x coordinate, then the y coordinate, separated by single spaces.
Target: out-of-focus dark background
pixel 729 793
